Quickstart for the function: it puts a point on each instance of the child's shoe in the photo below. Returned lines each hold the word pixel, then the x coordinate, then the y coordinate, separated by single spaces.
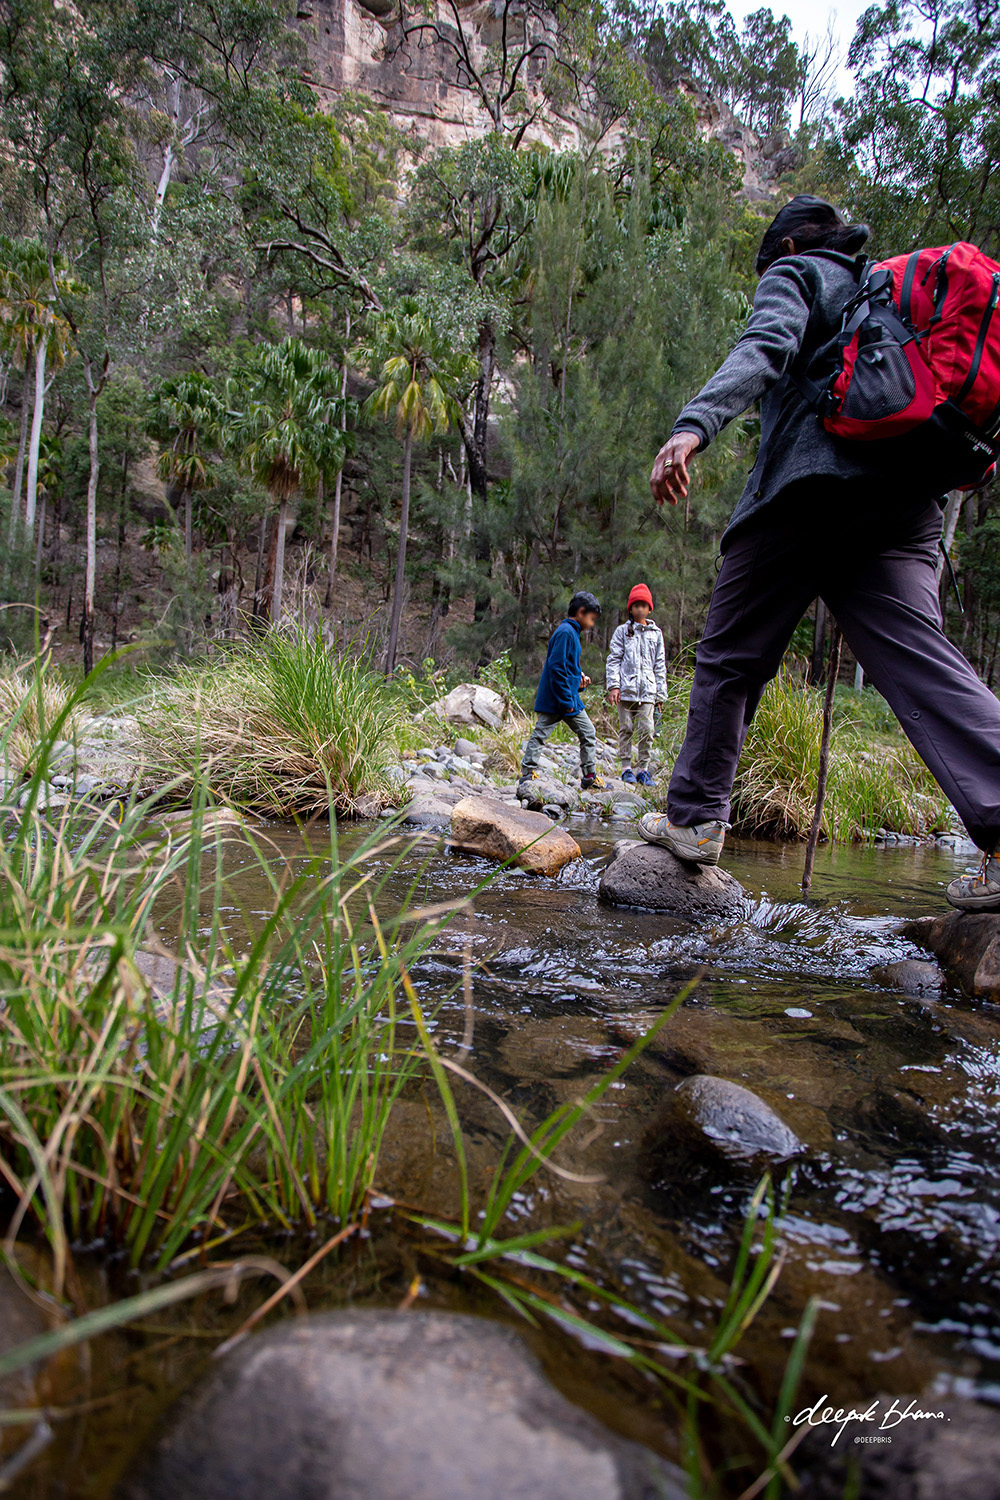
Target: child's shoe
pixel 628 776
pixel 592 783
pixel 643 778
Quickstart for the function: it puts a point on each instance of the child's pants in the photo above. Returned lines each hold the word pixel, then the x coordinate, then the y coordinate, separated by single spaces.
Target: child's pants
pixel 581 726
pixel 635 719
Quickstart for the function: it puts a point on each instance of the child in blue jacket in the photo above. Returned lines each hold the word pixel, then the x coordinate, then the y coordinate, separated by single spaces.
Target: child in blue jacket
pixel 558 698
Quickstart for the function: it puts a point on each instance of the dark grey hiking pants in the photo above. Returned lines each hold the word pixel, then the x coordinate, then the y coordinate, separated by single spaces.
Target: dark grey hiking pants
pixel 874 564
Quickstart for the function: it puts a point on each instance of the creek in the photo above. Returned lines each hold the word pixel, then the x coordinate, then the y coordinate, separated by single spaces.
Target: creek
pixel 893 1213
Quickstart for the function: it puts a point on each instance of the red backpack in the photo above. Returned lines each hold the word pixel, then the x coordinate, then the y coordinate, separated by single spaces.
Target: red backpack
pixel 918 360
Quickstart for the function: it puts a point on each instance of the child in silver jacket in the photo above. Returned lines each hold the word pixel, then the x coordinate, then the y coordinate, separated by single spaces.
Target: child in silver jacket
pixel 637 682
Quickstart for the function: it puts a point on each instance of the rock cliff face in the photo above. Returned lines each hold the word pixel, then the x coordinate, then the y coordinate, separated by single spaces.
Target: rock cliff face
pixel 358 45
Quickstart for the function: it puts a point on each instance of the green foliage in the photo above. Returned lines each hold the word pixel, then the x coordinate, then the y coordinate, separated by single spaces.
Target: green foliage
pixel 287 727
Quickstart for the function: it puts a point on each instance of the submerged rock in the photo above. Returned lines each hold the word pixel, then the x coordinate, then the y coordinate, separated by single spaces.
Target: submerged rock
pixel 651 878
pixel 391 1406
pixel 911 976
pixel 495 830
pixel 967 944
pixel 717 1125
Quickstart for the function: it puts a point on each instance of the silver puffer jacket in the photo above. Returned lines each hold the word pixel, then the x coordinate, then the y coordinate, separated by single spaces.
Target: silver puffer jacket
pixel 637 663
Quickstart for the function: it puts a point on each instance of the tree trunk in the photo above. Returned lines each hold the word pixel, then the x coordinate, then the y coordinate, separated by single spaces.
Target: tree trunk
pixel 278 587
pixel 475 444
pixel 397 588
pixel 819 643
pixel 187 525
pixel 116 607
pixel 40 542
pixel 90 575
pixel 257 612
pixel 31 498
pixel 22 446
pixel 339 483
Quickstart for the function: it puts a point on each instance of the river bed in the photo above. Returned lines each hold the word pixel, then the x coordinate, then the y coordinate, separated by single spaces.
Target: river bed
pixel 892 1217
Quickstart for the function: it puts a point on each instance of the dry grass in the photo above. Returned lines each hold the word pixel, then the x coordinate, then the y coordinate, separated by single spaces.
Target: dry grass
pixel 876 779
pixel 31 703
pixel 285 728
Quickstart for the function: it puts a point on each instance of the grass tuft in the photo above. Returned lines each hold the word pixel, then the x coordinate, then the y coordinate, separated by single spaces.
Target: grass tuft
pixel 286 728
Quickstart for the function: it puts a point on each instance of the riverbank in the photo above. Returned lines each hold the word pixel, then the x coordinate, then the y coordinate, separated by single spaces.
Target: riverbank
pixel 287 729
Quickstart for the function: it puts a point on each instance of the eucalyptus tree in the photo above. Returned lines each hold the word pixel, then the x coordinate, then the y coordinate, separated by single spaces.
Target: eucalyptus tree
pixel 279 430
pixel 186 414
pixel 417 377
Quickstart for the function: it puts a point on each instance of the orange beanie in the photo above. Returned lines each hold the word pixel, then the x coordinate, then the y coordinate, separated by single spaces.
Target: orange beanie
pixel 640 595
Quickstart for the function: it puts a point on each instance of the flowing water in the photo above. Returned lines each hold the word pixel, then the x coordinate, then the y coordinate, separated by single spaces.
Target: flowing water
pixel 893 1214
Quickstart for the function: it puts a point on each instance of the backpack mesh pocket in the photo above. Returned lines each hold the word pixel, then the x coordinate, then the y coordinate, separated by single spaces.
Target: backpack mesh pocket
pixel 881 383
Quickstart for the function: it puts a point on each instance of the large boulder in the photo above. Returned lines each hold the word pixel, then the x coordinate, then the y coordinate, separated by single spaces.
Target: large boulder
pixel 967 944
pixel 429 812
pixel 391 1406
pixel 470 703
pixel 544 791
pixel 496 830
pixel 712 1127
pixel 651 878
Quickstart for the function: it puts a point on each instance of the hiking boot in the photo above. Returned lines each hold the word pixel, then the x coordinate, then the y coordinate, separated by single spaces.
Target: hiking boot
pixel 592 783
pixel 699 845
pixel 628 776
pixel 979 891
pixel 643 778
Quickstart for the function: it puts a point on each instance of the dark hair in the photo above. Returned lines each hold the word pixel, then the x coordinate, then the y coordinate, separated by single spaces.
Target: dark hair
pixel 812 224
pixel 583 600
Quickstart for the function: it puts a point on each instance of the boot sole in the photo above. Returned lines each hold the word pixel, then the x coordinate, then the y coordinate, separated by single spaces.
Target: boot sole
pixel 974 903
pixel 667 843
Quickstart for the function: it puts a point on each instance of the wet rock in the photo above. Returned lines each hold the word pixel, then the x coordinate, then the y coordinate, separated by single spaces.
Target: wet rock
pixel 910 976
pixel 543 791
pixel 428 812
pixel 646 876
pixel 967 944
pixel 956 1455
pixel 718 1123
pixel 21 1319
pixel 470 703
pixel 383 1405
pixel 489 828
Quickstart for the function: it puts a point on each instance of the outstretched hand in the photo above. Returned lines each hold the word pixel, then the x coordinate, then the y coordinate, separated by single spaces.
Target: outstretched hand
pixel 670 479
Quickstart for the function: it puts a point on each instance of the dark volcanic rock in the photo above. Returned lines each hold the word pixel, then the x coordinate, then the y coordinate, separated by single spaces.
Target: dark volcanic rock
pixel 646 876
pixel 718 1125
pixel 391 1406
pixel 911 976
pixel 967 944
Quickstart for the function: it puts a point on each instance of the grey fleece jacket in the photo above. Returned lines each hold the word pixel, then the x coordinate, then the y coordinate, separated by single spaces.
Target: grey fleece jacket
pixel 796 318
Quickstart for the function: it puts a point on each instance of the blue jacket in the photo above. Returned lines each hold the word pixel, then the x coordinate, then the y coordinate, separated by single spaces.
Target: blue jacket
pixel 559 688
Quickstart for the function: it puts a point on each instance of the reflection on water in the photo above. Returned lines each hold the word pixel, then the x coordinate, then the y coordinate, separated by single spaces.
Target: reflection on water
pixel 893 1219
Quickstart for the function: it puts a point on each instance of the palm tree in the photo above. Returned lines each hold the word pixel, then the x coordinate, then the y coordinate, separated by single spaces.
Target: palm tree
pixel 417 373
pixel 279 431
pixel 34 330
pixel 187 414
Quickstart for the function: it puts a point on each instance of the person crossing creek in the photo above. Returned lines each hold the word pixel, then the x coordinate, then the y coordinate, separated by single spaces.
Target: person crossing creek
pixel 857 524
pixel 558 699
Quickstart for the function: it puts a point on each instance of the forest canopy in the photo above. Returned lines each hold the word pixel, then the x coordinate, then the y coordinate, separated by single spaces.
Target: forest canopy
pixel 266 356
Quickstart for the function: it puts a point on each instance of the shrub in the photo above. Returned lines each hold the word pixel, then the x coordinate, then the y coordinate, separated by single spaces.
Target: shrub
pixel 286 727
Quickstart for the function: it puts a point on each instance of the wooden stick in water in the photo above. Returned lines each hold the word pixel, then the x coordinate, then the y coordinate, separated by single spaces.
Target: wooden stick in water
pixel 833 671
